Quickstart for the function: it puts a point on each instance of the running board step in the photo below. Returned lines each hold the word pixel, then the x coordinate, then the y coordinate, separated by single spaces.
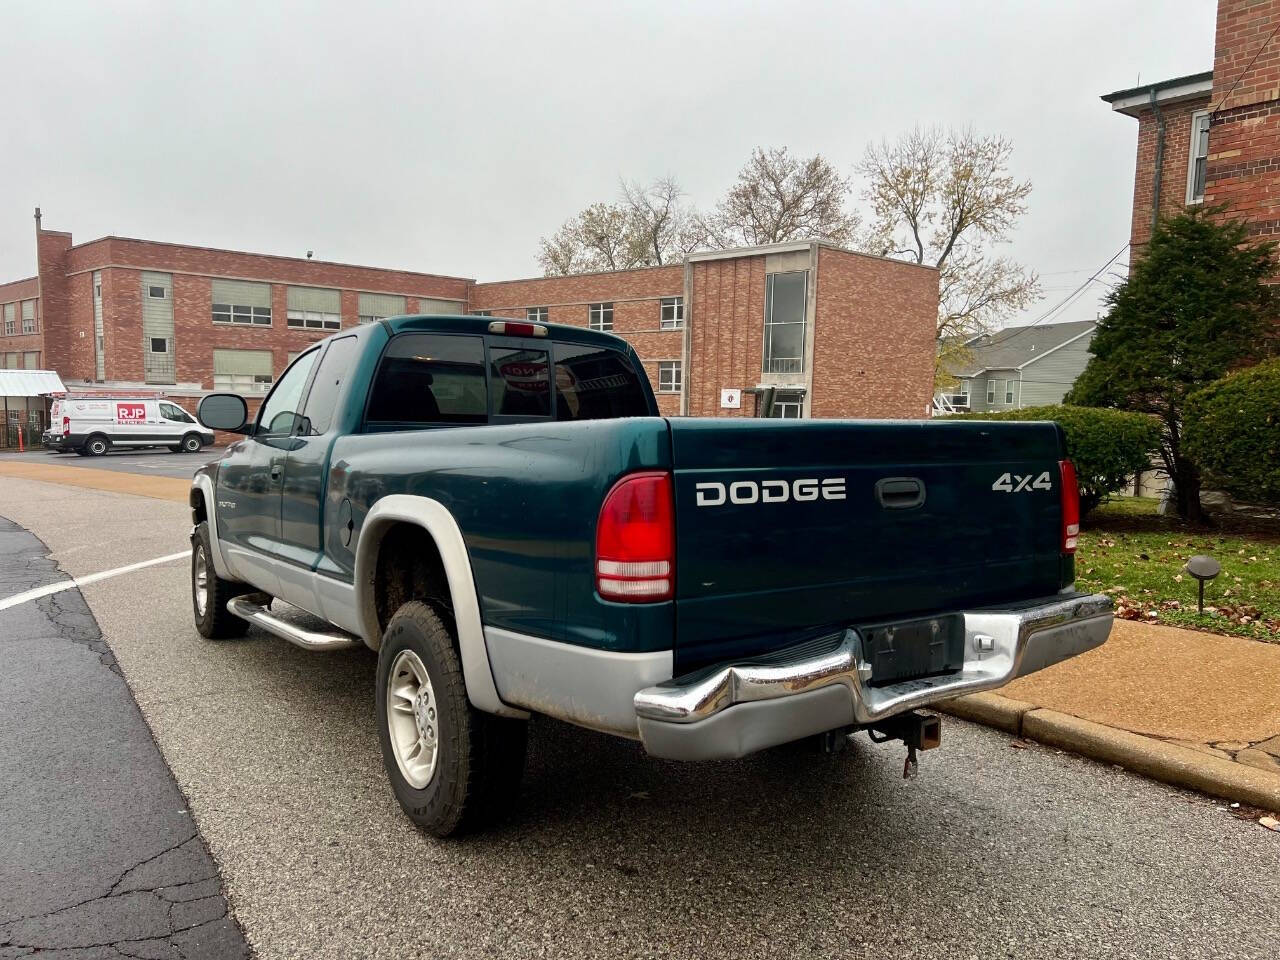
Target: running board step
pixel 253 607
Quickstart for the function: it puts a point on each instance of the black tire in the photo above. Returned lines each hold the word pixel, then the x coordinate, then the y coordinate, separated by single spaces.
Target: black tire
pixel 191 443
pixel 479 757
pixel 215 621
pixel 79 451
pixel 176 448
pixel 97 446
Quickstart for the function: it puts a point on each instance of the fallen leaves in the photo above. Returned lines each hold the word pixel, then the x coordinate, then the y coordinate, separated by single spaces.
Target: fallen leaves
pixel 1271 823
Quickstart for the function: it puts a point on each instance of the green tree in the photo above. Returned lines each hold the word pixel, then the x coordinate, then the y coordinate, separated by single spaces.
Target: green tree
pixel 1195 306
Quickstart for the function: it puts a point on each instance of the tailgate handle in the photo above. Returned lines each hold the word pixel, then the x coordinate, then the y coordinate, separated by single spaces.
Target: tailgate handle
pixel 900 493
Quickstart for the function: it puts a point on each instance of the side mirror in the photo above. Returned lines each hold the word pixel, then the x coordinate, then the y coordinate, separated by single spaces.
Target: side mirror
pixel 224 411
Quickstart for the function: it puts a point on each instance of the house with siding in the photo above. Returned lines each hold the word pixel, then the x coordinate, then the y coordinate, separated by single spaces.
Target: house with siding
pixel 1018 367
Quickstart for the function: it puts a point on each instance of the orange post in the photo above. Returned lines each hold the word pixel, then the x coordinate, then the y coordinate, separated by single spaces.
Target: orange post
pixel 20 439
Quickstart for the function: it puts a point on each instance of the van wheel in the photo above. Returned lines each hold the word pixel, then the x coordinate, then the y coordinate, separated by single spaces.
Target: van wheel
pixel 191 443
pixel 97 445
pixel 452 767
pixel 210 593
pixel 79 451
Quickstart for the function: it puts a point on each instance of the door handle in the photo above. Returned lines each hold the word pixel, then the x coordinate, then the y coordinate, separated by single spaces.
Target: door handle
pixel 275 471
pixel 900 493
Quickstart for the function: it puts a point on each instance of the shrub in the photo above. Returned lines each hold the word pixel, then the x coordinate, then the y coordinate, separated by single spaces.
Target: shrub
pixel 1107 446
pixel 1232 431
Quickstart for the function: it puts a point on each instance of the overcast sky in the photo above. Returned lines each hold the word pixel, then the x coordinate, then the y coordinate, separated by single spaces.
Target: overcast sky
pixel 449 137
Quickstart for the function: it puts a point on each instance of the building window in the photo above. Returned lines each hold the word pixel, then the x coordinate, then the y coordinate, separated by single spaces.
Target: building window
pixel 964 391
pixel 672 313
pixel 787 405
pixel 373 307
pixel 31 360
pixel 482 313
pixel 313 308
pixel 10 320
pixel 991 391
pixel 159 345
pixel 243 303
pixel 1008 391
pixel 670 376
pixel 536 314
pixel 156 293
pixel 242 371
pixel 1197 156
pixel 784 309
pixel 601 316
pixel 28 316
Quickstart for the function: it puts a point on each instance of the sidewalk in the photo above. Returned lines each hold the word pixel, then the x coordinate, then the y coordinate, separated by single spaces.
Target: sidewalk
pixel 1191 708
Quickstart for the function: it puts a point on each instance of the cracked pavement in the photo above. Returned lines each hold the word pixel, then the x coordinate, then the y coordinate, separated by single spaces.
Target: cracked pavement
pixel 99 856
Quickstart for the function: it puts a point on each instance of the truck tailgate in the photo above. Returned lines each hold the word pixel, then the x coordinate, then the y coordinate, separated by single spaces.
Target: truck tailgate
pixel 784 529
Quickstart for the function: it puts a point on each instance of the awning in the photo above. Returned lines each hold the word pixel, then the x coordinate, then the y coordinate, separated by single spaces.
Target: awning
pixel 29 383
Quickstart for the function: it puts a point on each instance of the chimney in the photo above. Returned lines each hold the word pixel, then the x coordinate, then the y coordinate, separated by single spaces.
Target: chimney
pixel 37 219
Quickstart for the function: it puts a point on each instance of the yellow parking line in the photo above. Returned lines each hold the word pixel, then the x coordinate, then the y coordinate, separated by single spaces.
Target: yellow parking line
pixel 111 481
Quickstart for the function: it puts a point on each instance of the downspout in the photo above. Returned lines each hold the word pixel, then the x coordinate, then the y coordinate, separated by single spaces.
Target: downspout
pixel 1158 175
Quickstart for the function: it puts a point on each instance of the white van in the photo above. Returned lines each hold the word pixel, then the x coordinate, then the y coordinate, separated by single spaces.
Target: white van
pixel 93 425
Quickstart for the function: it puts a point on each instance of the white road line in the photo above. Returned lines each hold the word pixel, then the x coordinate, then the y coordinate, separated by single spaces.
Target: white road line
pixel 45 591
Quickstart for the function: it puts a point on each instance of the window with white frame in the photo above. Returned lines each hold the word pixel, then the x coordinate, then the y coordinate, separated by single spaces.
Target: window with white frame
pixel 28 316
pixel 601 316
pixel 670 376
pixel 240 302
pixel 784 316
pixel 156 293
pixel 242 371
pixel 787 404
pixel 314 308
pixel 378 306
pixel 672 313
pixel 1008 390
pixel 991 391
pixel 482 313
pixel 536 314
pixel 10 319
pixel 1197 156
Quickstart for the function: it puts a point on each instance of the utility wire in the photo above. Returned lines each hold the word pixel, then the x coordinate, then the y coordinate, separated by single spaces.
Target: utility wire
pixel 1214 110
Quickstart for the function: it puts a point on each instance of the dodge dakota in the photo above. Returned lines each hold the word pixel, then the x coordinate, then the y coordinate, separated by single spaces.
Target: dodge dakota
pixel 497 509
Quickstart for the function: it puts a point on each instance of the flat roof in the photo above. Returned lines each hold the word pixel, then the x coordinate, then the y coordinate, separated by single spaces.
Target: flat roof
pixel 1136 99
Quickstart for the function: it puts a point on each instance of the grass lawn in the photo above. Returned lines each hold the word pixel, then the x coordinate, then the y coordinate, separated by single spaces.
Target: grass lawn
pixel 1130 552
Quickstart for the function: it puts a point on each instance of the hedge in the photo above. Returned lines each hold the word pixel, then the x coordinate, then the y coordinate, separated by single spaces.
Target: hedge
pixel 1108 447
pixel 1232 430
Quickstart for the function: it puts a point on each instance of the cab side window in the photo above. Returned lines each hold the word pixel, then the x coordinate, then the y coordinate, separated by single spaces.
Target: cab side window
pixel 171 412
pixel 428 379
pixel 322 398
pixel 279 413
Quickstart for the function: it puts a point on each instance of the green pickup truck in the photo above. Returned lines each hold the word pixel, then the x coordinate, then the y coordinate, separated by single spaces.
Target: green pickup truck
pixel 497 509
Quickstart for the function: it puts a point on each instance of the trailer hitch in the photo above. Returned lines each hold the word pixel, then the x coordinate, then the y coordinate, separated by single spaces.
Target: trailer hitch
pixel 919 731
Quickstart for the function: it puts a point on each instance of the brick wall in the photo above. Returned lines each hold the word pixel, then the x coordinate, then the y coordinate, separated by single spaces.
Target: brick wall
pixel 51 256
pixel 1243 169
pixel 1173 181
pixel 15 293
pixel 726 336
pixel 636 296
pixel 874 337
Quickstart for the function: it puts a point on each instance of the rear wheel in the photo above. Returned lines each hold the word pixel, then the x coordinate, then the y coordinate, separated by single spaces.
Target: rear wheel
pixel 451 766
pixel 191 443
pixel 97 445
pixel 210 593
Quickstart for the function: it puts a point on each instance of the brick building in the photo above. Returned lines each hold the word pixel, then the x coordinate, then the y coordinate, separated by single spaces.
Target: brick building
pixel 1213 137
pixel 833 333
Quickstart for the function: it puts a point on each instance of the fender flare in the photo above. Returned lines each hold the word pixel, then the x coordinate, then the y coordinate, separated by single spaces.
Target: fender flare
pixel 204 485
pixel 433 517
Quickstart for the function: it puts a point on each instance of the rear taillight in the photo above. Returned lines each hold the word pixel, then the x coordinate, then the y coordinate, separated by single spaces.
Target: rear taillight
pixel 1070 506
pixel 66 426
pixel 635 540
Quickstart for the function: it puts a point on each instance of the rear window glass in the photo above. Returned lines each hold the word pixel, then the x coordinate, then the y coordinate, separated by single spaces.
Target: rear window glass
pixel 520 382
pixel 430 378
pixel 595 384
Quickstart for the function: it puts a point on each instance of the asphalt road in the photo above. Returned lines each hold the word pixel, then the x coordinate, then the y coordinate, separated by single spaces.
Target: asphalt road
pixel 156 463
pixel 993 851
pixel 98 852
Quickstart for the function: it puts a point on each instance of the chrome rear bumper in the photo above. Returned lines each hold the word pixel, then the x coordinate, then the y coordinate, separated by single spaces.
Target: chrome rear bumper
pixel 734 709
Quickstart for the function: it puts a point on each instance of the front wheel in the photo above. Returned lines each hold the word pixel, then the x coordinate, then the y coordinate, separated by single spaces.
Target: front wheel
pixel 451 766
pixel 210 593
pixel 191 443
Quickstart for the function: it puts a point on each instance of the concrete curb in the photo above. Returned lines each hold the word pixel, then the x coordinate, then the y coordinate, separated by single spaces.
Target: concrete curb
pixel 1167 762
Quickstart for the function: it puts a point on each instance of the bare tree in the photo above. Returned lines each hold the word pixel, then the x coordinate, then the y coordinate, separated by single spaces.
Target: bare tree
pixel 660 219
pixel 945 198
pixel 779 197
pixel 601 237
